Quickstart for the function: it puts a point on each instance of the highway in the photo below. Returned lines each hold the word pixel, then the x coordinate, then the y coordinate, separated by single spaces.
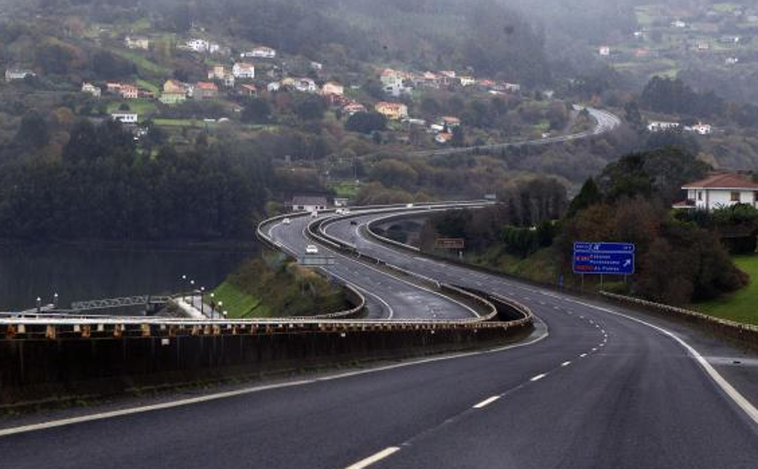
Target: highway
pixel 595 386
pixel 605 122
pixel 386 296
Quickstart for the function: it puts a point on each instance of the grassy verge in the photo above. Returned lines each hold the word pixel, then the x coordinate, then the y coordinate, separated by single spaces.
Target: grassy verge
pixel 148 86
pixel 143 63
pixel 347 189
pixel 273 286
pixel 237 303
pixel 740 306
pixel 143 107
pixel 539 267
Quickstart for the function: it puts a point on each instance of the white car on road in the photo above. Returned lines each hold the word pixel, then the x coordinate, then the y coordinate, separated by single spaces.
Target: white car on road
pixel 286 221
pixel 311 249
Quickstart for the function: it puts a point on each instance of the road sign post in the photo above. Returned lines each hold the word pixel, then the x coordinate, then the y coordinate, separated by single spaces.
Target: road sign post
pixel 315 260
pixel 603 259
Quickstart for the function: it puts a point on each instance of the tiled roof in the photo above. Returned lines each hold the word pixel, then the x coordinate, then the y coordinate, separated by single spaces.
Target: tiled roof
pixel 207 86
pixel 724 181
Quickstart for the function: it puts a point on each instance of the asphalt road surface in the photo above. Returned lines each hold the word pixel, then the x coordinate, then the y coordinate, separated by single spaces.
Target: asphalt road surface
pixel 387 296
pixel 594 387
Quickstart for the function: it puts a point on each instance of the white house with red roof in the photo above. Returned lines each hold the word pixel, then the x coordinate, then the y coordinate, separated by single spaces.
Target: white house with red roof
pixel 392 111
pixel 243 70
pixel 720 190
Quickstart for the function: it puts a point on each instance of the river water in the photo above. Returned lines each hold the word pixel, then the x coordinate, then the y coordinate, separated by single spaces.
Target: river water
pixel 83 273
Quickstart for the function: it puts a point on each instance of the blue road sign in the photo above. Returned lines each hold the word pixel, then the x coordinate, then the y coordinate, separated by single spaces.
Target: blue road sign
pixel 603 247
pixel 612 263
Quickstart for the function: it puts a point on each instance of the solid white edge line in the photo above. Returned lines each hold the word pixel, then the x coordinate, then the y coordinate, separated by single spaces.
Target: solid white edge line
pixel 375 458
pixel 486 402
pixel 725 386
pixel 391 312
pixel 538 377
pixel 148 408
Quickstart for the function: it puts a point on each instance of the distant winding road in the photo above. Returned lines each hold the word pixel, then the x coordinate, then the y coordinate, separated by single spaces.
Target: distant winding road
pixel 605 122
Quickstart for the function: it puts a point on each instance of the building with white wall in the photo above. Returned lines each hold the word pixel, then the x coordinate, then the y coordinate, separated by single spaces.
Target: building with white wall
pixel 720 190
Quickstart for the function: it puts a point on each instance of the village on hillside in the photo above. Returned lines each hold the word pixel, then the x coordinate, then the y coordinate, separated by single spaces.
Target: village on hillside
pixel 723 35
pixel 200 81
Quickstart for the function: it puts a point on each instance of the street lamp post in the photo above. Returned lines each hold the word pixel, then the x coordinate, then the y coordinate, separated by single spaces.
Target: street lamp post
pixel 213 304
pixel 221 307
pixel 39 305
pixel 55 300
pixel 183 286
pixel 202 301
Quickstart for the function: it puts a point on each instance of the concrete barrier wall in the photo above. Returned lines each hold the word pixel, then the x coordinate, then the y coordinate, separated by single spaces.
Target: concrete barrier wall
pixel 38 369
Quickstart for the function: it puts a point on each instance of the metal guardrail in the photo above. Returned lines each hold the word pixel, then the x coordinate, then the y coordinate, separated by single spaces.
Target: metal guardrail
pixel 744 332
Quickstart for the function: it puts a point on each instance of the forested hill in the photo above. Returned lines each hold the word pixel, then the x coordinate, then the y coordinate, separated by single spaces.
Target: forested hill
pixel 440 34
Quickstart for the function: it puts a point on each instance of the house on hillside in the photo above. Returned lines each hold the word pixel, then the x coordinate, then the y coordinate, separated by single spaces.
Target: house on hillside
pixel 443 138
pixel 217 72
pixel 197 45
pixel 332 88
pixel 392 111
pixel 91 89
pixel 303 203
pixel 14 74
pixel 430 80
pixel 249 90
pixel 700 129
pixel 515 88
pixel 467 80
pixel 125 117
pixel 395 82
pixel 137 42
pixel 174 92
pixel 353 108
pixel 657 126
pixel 205 90
pixel 720 190
pixel 201 45
pixel 304 85
pixel 220 73
pixel 244 70
pixel 260 53
pixel 129 92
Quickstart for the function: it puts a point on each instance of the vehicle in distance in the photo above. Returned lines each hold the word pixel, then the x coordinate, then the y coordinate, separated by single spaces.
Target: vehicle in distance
pixel 353 222
pixel 314 214
pixel 286 221
pixel 311 249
